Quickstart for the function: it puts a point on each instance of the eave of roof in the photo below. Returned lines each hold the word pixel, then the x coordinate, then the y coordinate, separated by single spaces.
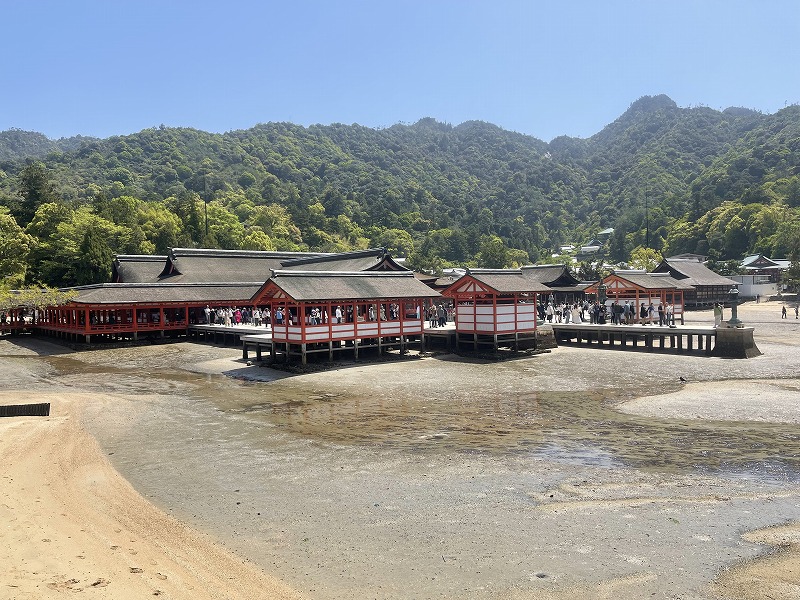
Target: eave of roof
pixel 504 281
pixel 181 293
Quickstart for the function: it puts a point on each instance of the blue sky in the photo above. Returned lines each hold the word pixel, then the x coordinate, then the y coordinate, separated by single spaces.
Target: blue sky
pixel 543 68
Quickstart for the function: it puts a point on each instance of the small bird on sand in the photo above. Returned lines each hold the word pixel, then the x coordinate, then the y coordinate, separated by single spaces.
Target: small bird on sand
pixel 682 379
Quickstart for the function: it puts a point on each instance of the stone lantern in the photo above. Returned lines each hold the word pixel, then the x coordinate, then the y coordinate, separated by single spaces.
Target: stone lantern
pixel 734 321
pixel 601 293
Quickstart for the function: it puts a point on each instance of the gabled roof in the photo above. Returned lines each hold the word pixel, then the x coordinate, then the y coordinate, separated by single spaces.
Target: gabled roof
pixel 141 293
pixel 653 281
pixel 693 272
pixel 136 268
pixel 374 259
pixel 339 286
pixel 759 261
pixel 689 256
pixel 502 281
pixel 551 275
pixel 200 265
pixel 642 280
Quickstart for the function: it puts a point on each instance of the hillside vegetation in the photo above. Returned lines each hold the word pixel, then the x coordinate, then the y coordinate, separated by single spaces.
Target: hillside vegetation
pixel 675 179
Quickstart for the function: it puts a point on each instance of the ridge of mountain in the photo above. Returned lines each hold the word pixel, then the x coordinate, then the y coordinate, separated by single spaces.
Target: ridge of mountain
pixel 438 188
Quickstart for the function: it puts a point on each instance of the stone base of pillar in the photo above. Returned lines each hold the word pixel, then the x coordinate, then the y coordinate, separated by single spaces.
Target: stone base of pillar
pixel 735 342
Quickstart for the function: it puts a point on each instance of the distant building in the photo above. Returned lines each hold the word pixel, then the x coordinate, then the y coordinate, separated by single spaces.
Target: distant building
pixel 588 252
pixel 763 276
pixel 758 264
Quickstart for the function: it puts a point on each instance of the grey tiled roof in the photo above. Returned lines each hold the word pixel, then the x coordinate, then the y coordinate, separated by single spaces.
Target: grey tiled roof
pixel 193 265
pixel 127 293
pixel 507 280
pixel 361 260
pixel 549 274
pixel 653 281
pixel 341 286
pixel 137 268
pixel 693 272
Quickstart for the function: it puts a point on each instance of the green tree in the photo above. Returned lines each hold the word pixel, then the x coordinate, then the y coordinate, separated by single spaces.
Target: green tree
pixel 645 259
pixel 493 253
pixel 93 263
pixel 35 188
pixel 256 239
pixel 15 246
pixel 396 241
pixel 224 226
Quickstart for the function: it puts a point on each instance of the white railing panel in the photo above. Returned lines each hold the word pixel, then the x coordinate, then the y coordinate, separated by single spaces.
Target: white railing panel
pixel 318 337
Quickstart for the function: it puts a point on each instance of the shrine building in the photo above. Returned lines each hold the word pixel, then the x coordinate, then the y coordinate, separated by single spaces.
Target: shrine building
pixel 338 311
pixel 495 307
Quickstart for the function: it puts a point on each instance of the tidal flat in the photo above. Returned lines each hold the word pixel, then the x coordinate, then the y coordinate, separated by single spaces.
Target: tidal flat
pixel 580 471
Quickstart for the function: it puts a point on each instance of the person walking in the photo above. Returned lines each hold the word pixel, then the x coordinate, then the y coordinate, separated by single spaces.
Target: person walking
pixel 717 315
pixel 783 311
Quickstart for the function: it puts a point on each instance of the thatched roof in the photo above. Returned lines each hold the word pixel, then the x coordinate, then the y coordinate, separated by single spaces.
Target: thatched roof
pixel 322 286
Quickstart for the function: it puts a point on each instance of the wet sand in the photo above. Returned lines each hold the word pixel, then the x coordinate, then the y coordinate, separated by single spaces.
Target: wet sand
pixel 585 473
pixel 72 524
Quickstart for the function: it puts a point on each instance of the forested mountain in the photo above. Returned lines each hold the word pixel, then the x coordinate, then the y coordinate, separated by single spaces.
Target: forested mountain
pixel 685 179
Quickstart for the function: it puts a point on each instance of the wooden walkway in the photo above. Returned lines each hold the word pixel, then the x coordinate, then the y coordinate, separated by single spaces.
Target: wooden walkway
pixel 679 338
pixel 215 333
pixel 676 338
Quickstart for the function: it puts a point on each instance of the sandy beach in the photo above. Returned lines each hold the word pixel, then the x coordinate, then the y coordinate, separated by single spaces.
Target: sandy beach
pixel 72 524
pixel 628 522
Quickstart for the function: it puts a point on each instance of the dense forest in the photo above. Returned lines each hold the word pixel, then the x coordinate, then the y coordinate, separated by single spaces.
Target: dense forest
pixel 670 179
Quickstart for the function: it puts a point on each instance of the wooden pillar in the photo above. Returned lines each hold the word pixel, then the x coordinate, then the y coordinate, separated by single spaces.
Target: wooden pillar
pixel 301 314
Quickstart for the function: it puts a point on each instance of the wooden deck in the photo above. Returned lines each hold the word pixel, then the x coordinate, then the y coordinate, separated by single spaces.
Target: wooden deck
pixel 221 333
pixel 648 338
pixel 676 338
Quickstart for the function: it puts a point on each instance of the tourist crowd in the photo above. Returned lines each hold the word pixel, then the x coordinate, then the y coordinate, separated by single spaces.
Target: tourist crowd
pixel 615 312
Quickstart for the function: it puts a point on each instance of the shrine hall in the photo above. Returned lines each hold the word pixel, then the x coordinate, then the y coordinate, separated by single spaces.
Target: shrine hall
pixel 495 307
